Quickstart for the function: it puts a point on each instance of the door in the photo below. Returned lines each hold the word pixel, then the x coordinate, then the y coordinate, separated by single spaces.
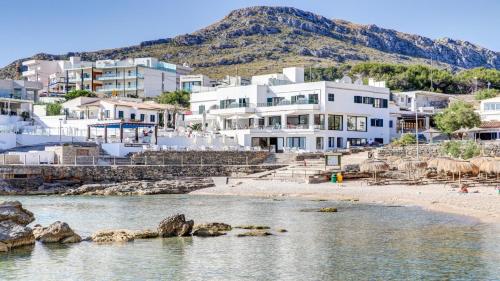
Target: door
pixel 281 143
pixel 273 143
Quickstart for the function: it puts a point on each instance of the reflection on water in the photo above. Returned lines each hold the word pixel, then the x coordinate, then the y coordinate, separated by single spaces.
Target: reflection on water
pixel 360 242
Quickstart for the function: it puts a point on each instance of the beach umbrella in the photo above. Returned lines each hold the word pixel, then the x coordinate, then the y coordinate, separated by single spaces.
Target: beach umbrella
pixel 373 166
pixel 480 160
pixel 476 130
pixel 431 131
pixel 490 167
pixel 459 167
pixel 410 165
pixel 435 162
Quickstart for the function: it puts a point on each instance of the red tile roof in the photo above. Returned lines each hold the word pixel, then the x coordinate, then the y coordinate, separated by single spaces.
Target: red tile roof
pixel 490 125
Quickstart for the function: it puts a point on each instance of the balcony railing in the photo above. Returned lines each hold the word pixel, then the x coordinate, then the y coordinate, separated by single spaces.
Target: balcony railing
pixel 118 77
pixel 110 89
pixel 287 102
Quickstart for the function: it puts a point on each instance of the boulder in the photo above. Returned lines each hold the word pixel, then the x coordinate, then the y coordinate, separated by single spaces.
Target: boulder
pixel 205 232
pixel 14 235
pixel 145 234
pixel 58 232
pixel 14 211
pixel 255 233
pixel 328 210
pixel 252 227
pixel 114 235
pixel 282 230
pixel 175 225
pixel 215 226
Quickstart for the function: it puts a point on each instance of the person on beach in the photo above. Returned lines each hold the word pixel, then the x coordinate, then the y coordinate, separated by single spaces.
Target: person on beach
pixel 464 189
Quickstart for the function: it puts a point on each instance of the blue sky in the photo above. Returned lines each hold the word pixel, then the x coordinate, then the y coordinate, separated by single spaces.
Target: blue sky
pixel 28 27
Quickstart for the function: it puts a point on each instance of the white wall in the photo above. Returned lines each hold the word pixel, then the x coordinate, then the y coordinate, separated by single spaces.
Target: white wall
pixel 24 139
pixel 7 140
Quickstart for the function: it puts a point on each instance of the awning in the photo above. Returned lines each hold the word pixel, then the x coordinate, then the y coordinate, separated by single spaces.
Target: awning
pixel 124 125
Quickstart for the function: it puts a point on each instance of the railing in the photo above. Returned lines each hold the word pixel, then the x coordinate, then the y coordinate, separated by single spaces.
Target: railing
pixel 118 77
pixel 287 102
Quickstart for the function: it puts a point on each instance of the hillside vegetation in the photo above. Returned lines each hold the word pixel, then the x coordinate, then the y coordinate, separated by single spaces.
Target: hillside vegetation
pixel 414 77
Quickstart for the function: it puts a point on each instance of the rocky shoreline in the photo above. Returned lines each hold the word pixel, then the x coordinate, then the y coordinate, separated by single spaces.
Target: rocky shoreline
pixel 14 231
pixel 138 187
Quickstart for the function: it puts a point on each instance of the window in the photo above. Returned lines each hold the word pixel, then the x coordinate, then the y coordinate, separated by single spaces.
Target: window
pixel 132 116
pixel 152 118
pixel 331 97
pixel 243 102
pixel 331 142
pixel 340 142
pixel 298 99
pixel 379 140
pixel 356 141
pixel 294 121
pixel 367 100
pixel 298 142
pixel 143 117
pixel 377 122
pixel 319 121
pixel 120 114
pixel 390 123
pixel 201 109
pixel 275 121
pixel 335 122
pixel 106 113
pixel 358 99
pixel 319 143
pixel 380 103
pixel 313 99
pixel 356 123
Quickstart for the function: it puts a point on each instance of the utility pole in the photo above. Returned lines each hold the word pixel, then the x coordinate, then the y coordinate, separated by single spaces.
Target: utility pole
pixel 416 123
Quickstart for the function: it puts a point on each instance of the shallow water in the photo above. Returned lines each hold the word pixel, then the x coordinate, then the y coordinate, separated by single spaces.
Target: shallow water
pixel 360 242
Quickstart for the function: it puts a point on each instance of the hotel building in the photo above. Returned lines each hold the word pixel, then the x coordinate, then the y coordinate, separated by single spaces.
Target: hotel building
pixel 282 112
pixel 139 77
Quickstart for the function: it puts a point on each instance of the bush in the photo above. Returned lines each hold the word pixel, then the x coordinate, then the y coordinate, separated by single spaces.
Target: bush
pixel 405 140
pixel 53 109
pixel 459 149
pixel 486 94
pixel 79 93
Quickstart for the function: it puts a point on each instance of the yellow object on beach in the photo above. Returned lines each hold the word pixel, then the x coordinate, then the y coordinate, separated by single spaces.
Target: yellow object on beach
pixel 340 178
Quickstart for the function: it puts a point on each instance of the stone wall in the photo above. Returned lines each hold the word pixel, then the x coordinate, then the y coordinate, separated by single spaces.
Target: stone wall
pixel 66 154
pixel 202 157
pixel 432 150
pixel 31 177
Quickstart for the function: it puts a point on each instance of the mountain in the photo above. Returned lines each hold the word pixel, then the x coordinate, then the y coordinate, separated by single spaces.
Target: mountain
pixel 263 39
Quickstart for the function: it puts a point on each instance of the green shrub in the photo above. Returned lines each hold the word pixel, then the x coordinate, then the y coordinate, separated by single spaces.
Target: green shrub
pixel 486 94
pixel 78 93
pixel 405 140
pixel 459 149
pixel 53 109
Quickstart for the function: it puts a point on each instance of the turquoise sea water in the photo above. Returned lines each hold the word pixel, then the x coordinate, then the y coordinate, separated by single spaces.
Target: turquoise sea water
pixel 360 242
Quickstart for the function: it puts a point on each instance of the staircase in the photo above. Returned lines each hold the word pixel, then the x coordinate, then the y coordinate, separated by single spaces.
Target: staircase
pixel 298 171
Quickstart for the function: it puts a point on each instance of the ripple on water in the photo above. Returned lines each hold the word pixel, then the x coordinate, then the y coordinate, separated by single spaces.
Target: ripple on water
pixel 359 242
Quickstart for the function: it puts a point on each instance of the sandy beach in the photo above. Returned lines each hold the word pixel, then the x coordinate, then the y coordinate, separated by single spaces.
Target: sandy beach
pixel 482 203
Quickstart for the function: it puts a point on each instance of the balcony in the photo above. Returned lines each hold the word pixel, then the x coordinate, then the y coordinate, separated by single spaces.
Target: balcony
pixel 118 77
pixel 29 73
pixel 118 89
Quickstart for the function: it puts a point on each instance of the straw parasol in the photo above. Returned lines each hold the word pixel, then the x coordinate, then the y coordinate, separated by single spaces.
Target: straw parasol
pixel 490 167
pixel 480 160
pixel 459 167
pixel 435 162
pixel 410 165
pixel 373 166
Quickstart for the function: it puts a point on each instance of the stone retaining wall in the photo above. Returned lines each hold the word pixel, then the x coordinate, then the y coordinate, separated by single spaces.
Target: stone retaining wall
pixel 432 150
pixel 204 157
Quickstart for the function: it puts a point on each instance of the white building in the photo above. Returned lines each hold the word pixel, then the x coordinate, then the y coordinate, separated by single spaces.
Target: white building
pixel 489 111
pixel 284 112
pixel 196 81
pixel 139 77
pixel 16 99
pixel 416 105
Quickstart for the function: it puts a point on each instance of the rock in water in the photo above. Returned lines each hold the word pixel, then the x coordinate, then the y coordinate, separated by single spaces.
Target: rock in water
pixel 145 234
pixel 175 226
pixel 115 235
pixel 328 210
pixel 255 233
pixel 205 232
pixel 14 235
pixel 215 226
pixel 13 229
pixel 14 211
pixel 56 232
pixel 252 227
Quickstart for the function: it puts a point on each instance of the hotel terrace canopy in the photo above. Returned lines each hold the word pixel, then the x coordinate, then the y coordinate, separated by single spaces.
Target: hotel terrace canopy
pixel 122 125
